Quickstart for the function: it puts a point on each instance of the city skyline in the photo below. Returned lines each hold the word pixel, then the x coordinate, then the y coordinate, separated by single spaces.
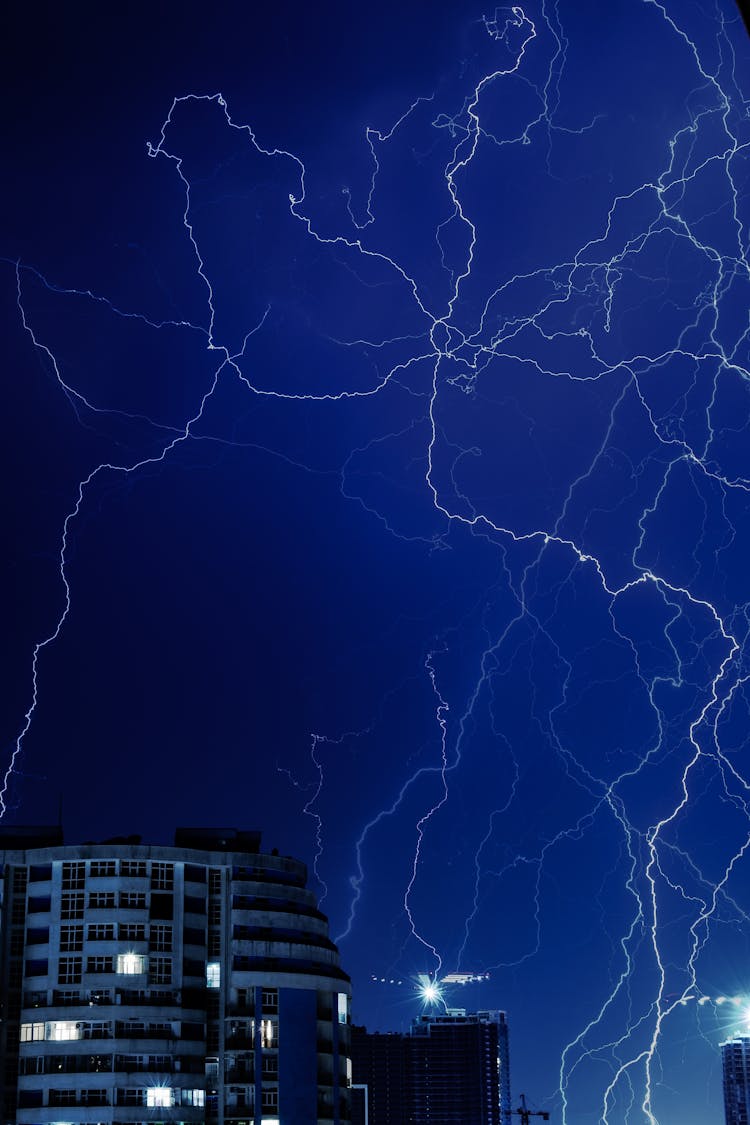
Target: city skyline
pixel 376 476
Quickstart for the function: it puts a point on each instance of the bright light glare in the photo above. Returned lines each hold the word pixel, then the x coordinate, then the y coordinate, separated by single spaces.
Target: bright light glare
pixel 430 993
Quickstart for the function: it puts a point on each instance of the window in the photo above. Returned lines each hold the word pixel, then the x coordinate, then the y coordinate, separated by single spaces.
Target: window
pixel 102 868
pixel 35 968
pixel 269 1033
pixel 133 868
pixel 100 965
pixel 71 906
pixel 130 1096
pixel 213 974
pixel 193 936
pixel 30 1032
pixel 194 1097
pixel 101 931
pixel 160 970
pixel 102 900
pixel 195 905
pixel 19 879
pixel 270 1065
pixel 40 873
pixel 214 914
pixel 71 939
pixel 214 943
pixel 270 1099
pixel 63 1031
pixel 73 876
pixel 66 996
pixel 161 939
pixel 132 930
pixel 94 1097
pixel 69 970
pixel 129 964
pixel 97 1029
pixel 62 1097
pixel 39 904
pixel 36 936
pixel 161 1096
pixel 162 876
pixel 132 900
pixel 270 1000
pixel 343 1007
pixel 18 913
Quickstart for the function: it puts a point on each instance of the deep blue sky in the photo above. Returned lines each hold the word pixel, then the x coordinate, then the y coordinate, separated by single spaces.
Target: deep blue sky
pixel 408 513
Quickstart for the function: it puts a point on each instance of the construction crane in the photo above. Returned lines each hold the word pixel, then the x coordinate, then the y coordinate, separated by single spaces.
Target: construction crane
pixel 524 1113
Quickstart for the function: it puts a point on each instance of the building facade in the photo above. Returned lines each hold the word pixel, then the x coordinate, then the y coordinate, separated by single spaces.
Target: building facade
pixel 735 1058
pixel 194 983
pixel 449 1069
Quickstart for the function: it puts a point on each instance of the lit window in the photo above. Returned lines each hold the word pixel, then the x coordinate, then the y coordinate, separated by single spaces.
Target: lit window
pixel 131 963
pixel 31 1031
pixel 159 1096
pixel 343 1007
pixel 213 974
pixel 269 1032
pixel 194 1097
pixel 59 1031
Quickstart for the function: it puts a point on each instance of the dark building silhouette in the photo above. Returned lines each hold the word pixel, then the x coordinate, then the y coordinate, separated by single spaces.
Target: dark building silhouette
pixel 735 1057
pixel 194 984
pixel 449 1069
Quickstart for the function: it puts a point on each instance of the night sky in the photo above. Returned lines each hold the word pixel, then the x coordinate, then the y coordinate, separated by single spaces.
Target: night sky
pixel 376 474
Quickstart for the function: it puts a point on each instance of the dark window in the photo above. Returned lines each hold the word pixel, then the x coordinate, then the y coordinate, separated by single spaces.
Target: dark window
pixel 162 906
pixel 194 873
pixel 131 931
pixel 162 876
pixel 193 936
pixel 69 971
pixel 102 868
pixel 71 906
pixel 132 900
pixel 100 965
pixel 39 872
pixel 192 968
pixel 102 900
pixel 29 1099
pixel 73 876
pixel 160 939
pixel 133 868
pixel 71 939
pixel 39 904
pixel 62 1097
pixel 101 931
pixel 195 905
pixel 36 968
pixel 37 937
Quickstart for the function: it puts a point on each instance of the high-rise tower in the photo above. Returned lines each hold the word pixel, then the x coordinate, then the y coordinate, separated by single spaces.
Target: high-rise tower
pixel 450 1069
pixel 735 1057
pixel 194 983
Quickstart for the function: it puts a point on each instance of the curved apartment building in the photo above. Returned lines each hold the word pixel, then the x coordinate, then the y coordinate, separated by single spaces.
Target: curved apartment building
pixel 143 983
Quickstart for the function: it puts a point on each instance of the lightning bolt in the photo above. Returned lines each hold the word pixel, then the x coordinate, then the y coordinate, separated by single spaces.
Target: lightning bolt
pixel 469 341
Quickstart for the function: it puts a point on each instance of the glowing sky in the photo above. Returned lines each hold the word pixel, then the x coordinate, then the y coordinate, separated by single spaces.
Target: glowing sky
pixel 382 378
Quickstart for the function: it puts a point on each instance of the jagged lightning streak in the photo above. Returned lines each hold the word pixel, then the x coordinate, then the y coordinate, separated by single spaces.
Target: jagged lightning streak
pixel 465 340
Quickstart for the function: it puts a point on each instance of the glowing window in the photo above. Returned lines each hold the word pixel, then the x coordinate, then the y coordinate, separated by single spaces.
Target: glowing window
pixel 159 1096
pixel 213 974
pixel 194 1097
pixel 59 1031
pixel 269 1032
pixel 131 963
pixel 343 1007
pixel 31 1031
